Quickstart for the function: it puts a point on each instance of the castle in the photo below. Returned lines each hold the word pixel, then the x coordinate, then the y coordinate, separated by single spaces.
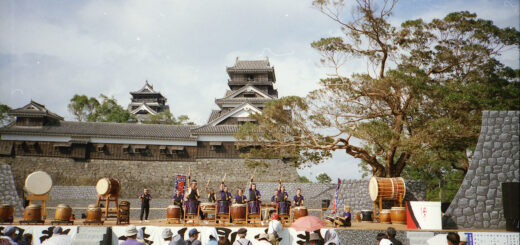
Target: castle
pixel 144 155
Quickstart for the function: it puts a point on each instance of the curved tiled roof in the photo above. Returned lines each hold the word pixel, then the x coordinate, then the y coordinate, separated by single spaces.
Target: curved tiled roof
pixel 216 130
pixel 118 130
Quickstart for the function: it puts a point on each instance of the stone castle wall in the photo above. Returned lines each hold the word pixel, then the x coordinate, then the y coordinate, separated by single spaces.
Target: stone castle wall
pixel 478 203
pixel 8 194
pixel 159 176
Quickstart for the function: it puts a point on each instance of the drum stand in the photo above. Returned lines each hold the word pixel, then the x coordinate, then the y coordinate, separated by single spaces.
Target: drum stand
pixel 284 218
pixel 192 217
pixel 44 198
pixel 110 212
pixel 380 201
pixel 251 218
pixel 222 218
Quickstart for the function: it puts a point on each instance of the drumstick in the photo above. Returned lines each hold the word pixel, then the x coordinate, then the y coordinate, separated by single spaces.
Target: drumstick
pixel 224 179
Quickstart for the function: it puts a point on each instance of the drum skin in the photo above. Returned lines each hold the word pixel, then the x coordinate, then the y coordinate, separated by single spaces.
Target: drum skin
pixel 124 205
pixel 238 211
pixel 38 183
pixel 63 212
pixel 300 212
pixel 398 215
pixel 173 212
pixel 208 207
pixel 33 212
pixel 93 213
pixel 6 212
pixel 366 215
pixel 384 216
pixel 386 188
pixel 107 186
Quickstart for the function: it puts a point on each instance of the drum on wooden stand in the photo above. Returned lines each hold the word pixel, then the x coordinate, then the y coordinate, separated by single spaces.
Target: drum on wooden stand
pixel 284 208
pixel 208 207
pixel 124 206
pixel 38 183
pixel 299 212
pixel 366 216
pixel 238 212
pixel 6 213
pixel 107 186
pixel 398 215
pixel 93 213
pixel 384 216
pixel 223 207
pixel 173 212
pixel 33 212
pixel 386 188
pixel 63 212
pixel 192 207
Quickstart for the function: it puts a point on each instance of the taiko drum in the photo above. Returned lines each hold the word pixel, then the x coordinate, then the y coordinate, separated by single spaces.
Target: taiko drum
pixel 107 186
pixel 63 212
pixel 6 212
pixel 398 215
pixel 238 211
pixel 173 212
pixel 384 216
pixel 386 188
pixel 93 213
pixel 300 212
pixel 33 212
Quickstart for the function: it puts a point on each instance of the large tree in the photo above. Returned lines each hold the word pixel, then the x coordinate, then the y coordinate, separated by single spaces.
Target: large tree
pixel 168 118
pixel 90 109
pixel 426 85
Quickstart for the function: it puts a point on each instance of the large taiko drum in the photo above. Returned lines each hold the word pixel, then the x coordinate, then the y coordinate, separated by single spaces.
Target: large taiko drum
pixel 208 207
pixel 93 213
pixel 300 211
pixel 192 207
pixel 63 212
pixel 33 212
pixel 386 188
pixel 398 215
pixel 173 212
pixel 384 216
pixel 107 186
pixel 238 211
pixel 6 213
pixel 38 183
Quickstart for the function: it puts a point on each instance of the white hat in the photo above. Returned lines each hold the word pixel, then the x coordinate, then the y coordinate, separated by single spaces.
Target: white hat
pixel 463 237
pixel 166 233
pixel 130 230
pixel 263 236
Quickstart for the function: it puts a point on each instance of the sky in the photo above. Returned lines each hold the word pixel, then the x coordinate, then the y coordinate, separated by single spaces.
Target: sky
pixel 51 50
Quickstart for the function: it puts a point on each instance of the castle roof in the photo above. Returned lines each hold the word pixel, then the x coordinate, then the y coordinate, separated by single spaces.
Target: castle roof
pixel 34 109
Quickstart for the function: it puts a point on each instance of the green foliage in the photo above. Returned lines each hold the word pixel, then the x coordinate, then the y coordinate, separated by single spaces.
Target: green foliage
pixel 4 118
pixel 323 178
pixel 304 179
pixel 421 118
pixel 87 109
pixel 167 117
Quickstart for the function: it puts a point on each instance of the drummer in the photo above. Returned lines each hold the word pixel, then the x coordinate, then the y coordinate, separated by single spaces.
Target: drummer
pixel 275 196
pixel 281 194
pixel 344 219
pixel 211 195
pixel 177 199
pixel 254 194
pixel 145 204
pixel 298 198
pixel 240 198
pixel 225 195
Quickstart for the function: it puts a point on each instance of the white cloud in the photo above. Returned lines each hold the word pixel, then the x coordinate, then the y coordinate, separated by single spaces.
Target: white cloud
pixel 50 51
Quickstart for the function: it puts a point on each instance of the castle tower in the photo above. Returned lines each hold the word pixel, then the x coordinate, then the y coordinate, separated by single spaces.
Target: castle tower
pixel 146 102
pixel 250 86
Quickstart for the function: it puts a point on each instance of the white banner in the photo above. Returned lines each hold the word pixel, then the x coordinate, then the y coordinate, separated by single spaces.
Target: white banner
pixel 153 234
pixel 41 232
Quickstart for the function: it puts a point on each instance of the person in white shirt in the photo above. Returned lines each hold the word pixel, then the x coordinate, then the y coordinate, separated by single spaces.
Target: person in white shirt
pixel 274 229
pixel 263 239
pixel 382 239
pixel 242 232
pixel 9 234
pixel 58 238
